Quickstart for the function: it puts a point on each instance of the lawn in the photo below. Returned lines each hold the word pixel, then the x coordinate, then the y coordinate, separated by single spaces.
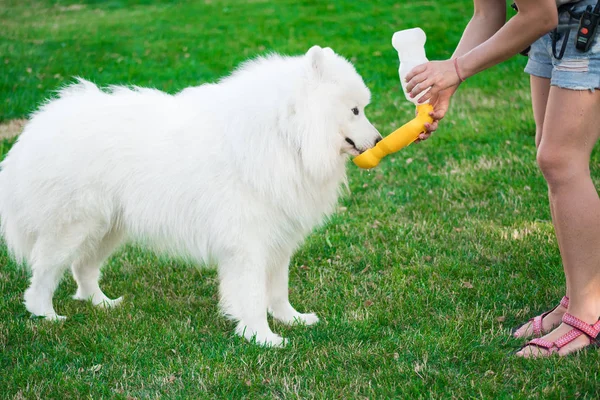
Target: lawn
pixel 418 278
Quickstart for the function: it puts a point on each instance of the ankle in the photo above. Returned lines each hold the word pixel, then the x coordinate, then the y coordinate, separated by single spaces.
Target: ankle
pixel 588 311
pixel 559 310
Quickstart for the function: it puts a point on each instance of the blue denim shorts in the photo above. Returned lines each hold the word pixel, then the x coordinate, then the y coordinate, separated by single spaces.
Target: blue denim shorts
pixel 576 70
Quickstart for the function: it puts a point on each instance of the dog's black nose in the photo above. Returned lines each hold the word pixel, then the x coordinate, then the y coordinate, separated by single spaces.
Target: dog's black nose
pixel 378 140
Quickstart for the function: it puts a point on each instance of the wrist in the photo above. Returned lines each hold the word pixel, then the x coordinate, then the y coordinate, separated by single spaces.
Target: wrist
pixel 458 70
pixel 464 66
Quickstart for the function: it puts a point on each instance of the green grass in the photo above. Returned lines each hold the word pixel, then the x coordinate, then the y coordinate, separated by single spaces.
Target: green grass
pixel 418 278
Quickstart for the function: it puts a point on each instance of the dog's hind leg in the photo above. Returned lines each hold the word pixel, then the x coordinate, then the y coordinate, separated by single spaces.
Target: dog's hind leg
pixel 86 269
pixel 278 292
pixel 242 279
pixel 51 254
pixel 44 281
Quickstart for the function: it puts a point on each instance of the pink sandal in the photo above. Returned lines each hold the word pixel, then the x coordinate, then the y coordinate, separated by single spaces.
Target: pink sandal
pixel 537 321
pixel 579 328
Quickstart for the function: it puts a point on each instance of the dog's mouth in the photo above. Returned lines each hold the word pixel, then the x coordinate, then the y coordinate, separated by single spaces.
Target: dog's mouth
pixel 355 151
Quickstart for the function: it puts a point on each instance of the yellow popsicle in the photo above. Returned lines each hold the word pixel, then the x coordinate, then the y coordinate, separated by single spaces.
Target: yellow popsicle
pixel 396 140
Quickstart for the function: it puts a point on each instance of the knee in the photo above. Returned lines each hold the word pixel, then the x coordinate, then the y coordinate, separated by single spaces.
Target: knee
pixel 558 165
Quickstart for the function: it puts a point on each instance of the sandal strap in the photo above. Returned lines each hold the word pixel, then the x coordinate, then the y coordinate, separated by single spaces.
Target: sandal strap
pixel 555 346
pixel 579 328
pixel 568 337
pixel 539 342
pixel 590 330
pixel 537 324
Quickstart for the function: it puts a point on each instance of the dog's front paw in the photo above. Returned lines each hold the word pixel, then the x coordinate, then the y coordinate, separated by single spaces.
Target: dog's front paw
pixel 272 340
pixel 263 338
pixel 307 319
pixel 109 303
pixel 99 300
pixel 295 317
pixel 54 317
pixel 285 313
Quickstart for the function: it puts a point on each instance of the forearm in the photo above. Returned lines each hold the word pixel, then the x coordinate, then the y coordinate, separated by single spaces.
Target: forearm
pixel 486 21
pixel 487 41
pixel 518 33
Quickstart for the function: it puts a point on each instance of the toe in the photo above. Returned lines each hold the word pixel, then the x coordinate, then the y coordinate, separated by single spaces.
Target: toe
pixel 532 352
pixel 522 331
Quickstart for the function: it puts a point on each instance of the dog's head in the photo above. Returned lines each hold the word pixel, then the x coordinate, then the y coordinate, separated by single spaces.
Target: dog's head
pixel 335 100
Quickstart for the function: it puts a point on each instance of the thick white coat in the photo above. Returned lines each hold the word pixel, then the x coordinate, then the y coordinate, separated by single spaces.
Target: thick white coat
pixel 234 174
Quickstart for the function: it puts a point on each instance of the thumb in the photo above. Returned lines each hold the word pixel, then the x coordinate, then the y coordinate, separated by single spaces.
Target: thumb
pixel 438 113
pixel 440 108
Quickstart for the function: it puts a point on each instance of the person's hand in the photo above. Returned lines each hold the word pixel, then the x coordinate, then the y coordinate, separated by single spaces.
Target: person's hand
pixel 440 103
pixel 436 75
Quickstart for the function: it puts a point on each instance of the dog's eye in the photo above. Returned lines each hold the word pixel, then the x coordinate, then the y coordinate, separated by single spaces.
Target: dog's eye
pixel 355 110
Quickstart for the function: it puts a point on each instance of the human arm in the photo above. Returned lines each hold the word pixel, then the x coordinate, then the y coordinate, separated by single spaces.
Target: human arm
pixel 478 50
pixel 488 17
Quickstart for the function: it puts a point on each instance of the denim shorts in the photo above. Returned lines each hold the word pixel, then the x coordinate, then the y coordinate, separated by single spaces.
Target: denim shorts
pixel 576 70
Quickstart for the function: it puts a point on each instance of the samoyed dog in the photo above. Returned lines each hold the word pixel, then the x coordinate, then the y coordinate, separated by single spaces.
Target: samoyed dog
pixel 234 174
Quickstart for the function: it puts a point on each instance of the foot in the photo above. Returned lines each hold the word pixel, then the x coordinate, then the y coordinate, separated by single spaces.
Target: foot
pixel 542 324
pixel 52 317
pixel 298 319
pixel 286 314
pixel 564 340
pixel 261 337
pixel 109 303
pixel 99 299
pixel 40 305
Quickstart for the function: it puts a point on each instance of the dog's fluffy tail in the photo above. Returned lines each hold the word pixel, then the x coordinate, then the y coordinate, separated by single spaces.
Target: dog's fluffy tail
pixel 19 243
pixel 18 236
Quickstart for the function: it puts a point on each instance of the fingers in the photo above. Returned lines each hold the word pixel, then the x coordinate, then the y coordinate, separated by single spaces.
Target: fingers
pixel 419 69
pixel 438 114
pixel 415 81
pixel 427 95
pixel 423 136
pixel 429 129
pixel 432 94
pixel 435 76
pixel 440 99
pixel 421 86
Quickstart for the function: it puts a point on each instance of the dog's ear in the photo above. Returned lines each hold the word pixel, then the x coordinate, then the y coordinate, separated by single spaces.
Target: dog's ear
pixel 319 152
pixel 316 138
pixel 316 56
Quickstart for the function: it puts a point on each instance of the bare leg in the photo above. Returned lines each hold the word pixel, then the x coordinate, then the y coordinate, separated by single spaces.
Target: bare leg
pixel 277 287
pixel 243 290
pixel 86 270
pixel 571 129
pixel 540 91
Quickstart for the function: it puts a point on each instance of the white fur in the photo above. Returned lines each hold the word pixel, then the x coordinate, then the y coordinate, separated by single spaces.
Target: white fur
pixel 235 173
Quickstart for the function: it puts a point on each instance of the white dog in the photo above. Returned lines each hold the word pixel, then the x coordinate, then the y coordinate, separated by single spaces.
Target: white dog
pixel 234 174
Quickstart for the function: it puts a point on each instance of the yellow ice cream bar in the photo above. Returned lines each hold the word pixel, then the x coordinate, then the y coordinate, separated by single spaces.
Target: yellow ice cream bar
pixel 396 140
